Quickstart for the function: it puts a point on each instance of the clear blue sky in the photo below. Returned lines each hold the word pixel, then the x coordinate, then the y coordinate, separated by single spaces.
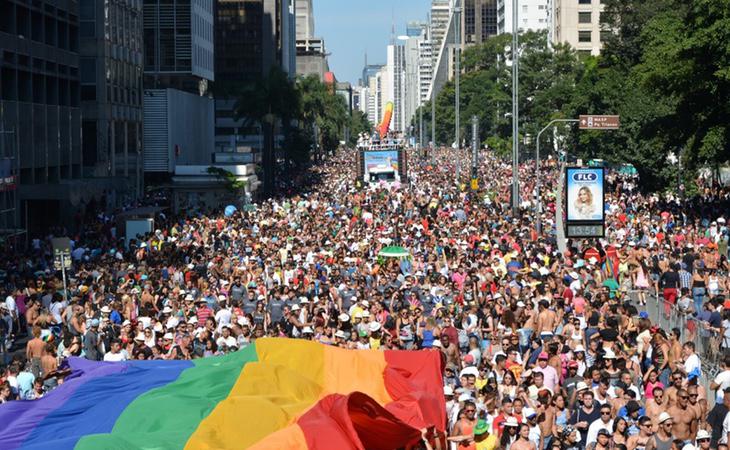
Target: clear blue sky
pixel 352 27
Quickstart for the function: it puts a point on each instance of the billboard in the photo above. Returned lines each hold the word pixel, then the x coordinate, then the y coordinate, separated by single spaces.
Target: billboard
pixel 584 199
pixel 380 159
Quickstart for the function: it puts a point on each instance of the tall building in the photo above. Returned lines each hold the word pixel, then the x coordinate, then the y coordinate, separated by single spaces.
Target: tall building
pixel 178 69
pixel 578 23
pixel 178 44
pixel 532 15
pixel 111 93
pixel 440 16
pixel 478 20
pixel 395 85
pixel 304 19
pixel 251 36
pixel 40 109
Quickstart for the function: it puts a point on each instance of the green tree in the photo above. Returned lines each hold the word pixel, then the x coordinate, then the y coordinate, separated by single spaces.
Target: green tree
pixel 269 101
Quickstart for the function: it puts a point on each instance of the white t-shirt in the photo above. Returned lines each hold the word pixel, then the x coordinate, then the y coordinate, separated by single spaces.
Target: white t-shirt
pixel 692 363
pixel 725 428
pixel 723 379
pixel 115 357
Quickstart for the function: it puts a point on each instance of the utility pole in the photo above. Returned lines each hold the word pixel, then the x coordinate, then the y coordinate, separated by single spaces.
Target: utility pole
pixel 474 153
pixel 420 125
pixel 457 70
pixel 515 111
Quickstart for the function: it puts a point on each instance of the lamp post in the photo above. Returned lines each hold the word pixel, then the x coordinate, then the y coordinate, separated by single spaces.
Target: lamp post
pixel 538 183
pixel 457 70
pixel 515 111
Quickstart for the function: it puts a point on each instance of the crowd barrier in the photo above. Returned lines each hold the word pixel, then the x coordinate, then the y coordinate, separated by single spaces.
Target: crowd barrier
pixel 708 343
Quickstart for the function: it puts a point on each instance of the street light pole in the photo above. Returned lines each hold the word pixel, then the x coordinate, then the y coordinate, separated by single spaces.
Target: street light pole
pixel 538 210
pixel 515 111
pixel 457 69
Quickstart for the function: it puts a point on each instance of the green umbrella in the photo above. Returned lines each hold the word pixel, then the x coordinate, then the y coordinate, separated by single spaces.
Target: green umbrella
pixel 394 252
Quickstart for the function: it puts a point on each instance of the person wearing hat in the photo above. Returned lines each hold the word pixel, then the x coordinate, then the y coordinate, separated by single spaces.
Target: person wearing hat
pixel 483 439
pixel 92 341
pixel 702 440
pixel 550 375
pixel 603 441
pixel 509 432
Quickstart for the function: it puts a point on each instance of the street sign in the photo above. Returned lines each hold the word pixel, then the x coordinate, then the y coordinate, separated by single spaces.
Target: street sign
pixel 598 122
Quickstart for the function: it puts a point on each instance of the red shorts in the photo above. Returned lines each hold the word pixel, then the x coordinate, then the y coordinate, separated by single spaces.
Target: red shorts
pixel 670 295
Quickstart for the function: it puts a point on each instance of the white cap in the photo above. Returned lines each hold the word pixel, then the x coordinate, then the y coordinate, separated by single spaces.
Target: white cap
pixel 579 348
pixel 105 309
pixel 366 313
pixel 465 397
pixel 702 434
pixel 609 354
pixel 167 336
pixel 448 390
pixel 340 334
pixel 343 317
pixel 437 344
pixel 574 275
pixel 471 370
pixel 126 322
pixel 581 386
pixel 689 447
pixel 520 304
pixel 527 412
pixel 303 300
pixel 139 337
pixel 374 326
pixel 511 422
pixel 295 308
pixel 365 303
pixel 193 319
pixel 172 322
pixel 664 416
pixel 166 310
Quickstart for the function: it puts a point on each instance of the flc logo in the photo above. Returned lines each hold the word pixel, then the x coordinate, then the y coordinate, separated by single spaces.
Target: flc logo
pixel 585 177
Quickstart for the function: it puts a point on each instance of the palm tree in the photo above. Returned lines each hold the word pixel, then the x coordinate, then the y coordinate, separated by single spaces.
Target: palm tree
pixel 269 101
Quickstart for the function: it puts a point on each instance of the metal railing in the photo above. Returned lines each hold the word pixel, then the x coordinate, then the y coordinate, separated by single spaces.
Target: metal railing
pixel 708 343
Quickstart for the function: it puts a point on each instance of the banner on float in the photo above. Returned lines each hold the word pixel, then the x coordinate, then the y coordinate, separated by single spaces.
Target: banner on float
pixel 584 202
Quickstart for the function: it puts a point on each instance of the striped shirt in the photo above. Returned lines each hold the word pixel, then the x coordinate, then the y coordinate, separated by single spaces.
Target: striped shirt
pixel 685 279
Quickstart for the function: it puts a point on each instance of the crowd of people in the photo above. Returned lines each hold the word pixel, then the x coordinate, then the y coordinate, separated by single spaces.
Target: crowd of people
pixel 541 349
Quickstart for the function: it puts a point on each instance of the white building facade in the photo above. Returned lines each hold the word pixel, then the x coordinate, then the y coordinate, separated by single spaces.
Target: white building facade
pixel 533 15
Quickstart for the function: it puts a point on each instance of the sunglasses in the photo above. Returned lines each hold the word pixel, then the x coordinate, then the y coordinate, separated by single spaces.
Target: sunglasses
pixel 605 413
pixel 703 440
pixel 683 397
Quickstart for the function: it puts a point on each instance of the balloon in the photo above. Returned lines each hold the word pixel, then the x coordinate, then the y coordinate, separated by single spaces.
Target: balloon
pixel 230 209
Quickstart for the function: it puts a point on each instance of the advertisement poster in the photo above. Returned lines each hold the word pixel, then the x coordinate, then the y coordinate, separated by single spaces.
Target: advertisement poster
pixel 585 194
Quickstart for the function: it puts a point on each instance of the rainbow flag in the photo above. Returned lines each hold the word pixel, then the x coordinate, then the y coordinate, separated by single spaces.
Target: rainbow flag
pixel 274 394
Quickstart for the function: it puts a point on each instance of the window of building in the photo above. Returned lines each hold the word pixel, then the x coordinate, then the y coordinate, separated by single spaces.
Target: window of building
pixel 584 2
pixel 584 36
pixel 584 17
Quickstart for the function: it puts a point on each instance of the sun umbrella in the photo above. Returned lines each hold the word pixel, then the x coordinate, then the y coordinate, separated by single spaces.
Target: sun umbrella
pixel 394 252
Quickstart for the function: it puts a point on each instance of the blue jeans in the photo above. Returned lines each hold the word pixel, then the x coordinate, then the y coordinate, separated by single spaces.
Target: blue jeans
pixel 698 294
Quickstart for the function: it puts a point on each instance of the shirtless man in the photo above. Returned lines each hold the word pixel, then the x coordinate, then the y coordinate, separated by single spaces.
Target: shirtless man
pixel 696 405
pixel 671 392
pixel 34 351
pixel 643 440
pixel 546 319
pixel 685 418
pixel 450 350
pixel 656 405
pixel 31 313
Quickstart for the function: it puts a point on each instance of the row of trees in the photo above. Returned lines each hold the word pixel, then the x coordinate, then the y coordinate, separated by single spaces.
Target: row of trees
pixel 309 115
pixel 664 68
